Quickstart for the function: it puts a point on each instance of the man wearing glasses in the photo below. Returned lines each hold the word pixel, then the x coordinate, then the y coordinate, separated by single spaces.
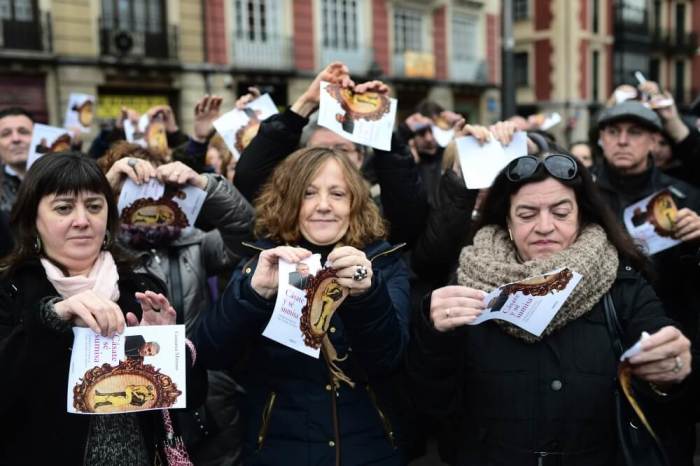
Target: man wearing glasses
pixel 627 175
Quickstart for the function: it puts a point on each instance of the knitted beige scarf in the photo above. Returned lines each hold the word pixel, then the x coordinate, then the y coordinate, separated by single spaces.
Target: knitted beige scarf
pixel 493 261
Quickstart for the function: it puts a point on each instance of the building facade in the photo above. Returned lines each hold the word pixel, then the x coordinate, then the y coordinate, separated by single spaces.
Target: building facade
pixel 563 60
pixel 139 53
pixel 571 54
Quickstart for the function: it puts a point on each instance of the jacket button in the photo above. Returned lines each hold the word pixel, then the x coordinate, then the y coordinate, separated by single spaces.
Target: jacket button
pixel 628 268
pixel 332 329
pixel 556 385
pixel 329 388
pixel 331 443
pixel 248 270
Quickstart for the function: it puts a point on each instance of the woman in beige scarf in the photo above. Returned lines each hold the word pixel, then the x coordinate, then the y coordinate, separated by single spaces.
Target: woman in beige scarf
pixel 523 399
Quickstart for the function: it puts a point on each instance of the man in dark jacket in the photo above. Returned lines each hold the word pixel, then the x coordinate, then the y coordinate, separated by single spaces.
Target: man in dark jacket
pixel 16 127
pixel 628 175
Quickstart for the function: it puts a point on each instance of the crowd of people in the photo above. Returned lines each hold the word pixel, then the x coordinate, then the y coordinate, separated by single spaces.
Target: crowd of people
pixel 414 251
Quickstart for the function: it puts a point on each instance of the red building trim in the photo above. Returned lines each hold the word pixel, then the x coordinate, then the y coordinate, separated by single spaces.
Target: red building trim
pixel 543 67
pixel 215 32
pixel 543 14
pixel 440 42
pixel 609 74
pixel 493 47
pixel 380 34
pixel 303 14
pixel 584 53
pixel 583 15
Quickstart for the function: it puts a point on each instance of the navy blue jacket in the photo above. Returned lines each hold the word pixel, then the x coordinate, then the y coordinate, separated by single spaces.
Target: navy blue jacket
pixel 293 415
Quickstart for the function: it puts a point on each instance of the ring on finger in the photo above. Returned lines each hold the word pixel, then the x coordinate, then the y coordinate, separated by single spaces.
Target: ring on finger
pixel 360 273
pixel 678 364
pixel 447 313
pixel 132 162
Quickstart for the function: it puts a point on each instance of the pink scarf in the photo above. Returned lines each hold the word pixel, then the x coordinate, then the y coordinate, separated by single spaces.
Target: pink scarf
pixel 102 279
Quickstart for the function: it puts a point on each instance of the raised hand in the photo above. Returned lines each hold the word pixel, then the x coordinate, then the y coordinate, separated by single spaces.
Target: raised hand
pixel 156 310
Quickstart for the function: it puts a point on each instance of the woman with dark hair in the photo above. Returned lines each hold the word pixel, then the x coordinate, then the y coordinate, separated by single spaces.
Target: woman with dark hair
pixel 64 271
pixel 300 410
pixel 523 399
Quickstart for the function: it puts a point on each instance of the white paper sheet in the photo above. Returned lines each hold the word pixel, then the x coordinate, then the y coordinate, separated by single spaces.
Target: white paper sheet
pixel 482 163
pixel 284 325
pixel 115 375
pixel 531 313
pixel 78 103
pixel 237 127
pixel 43 138
pixel 188 197
pixel 376 133
pixel 442 136
pixel 638 221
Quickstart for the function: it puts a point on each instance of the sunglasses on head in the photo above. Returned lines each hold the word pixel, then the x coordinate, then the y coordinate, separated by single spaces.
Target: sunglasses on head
pixel 560 166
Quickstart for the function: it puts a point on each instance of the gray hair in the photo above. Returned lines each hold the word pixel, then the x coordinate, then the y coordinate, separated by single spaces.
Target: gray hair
pixel 312 126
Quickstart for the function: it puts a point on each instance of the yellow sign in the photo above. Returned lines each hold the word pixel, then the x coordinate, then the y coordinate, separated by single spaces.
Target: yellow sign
pixel 419 65
pixel 110 105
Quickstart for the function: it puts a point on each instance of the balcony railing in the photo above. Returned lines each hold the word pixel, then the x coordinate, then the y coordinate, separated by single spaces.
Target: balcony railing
pixel 116 41
pixel 358 59
pixel 274 53
pixel 468 70
pixel 27 35
pixel 674 42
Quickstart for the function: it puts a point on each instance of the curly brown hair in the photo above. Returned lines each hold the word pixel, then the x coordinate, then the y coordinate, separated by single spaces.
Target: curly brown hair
pixel 121 149
pixel 277 207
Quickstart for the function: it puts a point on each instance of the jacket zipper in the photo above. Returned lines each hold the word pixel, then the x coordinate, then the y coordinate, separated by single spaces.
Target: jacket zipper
pixel 252 246
pixel 385 421
pixel 388 251
pixel 383 253
pixel 336 427
pixel 266 413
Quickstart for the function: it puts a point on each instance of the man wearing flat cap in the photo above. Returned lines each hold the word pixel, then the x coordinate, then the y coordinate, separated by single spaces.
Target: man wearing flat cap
pixel 627 175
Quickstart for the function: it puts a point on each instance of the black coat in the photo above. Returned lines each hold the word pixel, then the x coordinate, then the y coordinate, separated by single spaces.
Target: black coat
pixel 291 411
pixel 510 399
pixel 403 198
pixel 446 231
pixel 36 428
pixel 676 269
pixel 676 277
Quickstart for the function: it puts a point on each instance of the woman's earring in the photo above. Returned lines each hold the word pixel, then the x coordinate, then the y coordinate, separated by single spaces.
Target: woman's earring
pixel 107 241
pixel 37 245
pixel 510 235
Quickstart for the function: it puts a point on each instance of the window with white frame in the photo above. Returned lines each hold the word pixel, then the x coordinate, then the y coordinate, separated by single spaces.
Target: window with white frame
pixel 134 15
pixel 19 10
pixel 255 20
pixel 634 11
pixel 520 10
pixel 465 29
pixel 340 23
pixel 408 30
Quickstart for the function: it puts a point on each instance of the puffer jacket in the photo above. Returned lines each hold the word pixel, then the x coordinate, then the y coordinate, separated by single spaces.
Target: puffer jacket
pixel 293 414
pixel 201 254
pixel 211 432
pixel 545 403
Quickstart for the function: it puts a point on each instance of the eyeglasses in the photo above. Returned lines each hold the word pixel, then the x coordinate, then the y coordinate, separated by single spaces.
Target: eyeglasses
pixel 559 166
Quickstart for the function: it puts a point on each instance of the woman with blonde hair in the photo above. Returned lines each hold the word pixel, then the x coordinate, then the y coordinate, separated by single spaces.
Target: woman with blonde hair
pixel 298 409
